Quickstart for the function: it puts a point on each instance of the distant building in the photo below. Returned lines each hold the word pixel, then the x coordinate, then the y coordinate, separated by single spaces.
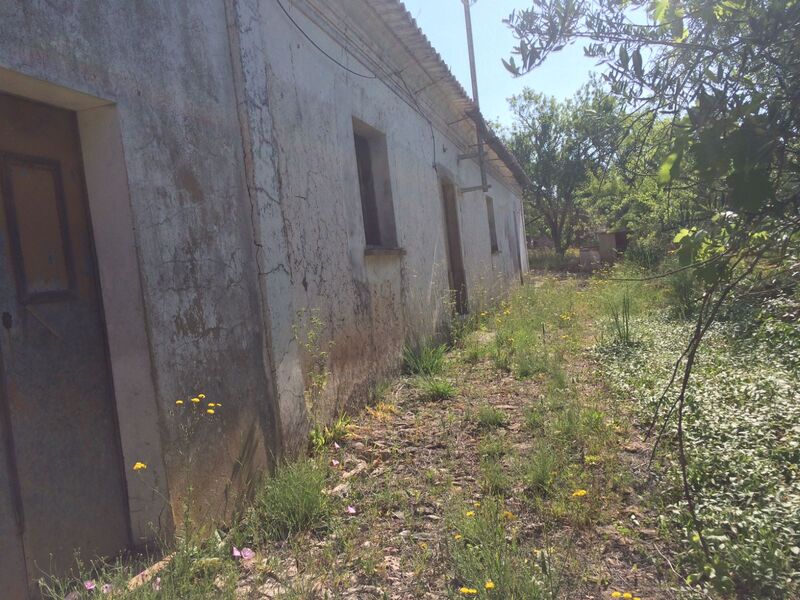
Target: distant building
pixel 224 197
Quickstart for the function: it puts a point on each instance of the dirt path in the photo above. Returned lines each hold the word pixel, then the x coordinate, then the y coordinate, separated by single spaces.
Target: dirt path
pixel 410 463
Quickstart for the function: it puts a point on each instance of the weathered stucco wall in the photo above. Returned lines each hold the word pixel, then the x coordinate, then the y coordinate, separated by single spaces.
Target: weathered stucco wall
pixel 167 67
pixel 312 225
pixel 238 149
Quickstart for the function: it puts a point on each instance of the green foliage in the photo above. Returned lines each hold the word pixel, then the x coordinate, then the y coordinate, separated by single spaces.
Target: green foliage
pixel 288 502
pixel 427 359
pixel 494 480
pixel 436 388
pixel 322 436
pixel 743 443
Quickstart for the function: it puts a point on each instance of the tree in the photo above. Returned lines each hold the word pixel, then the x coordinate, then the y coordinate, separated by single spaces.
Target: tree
pixel 561 145
pixel 725 74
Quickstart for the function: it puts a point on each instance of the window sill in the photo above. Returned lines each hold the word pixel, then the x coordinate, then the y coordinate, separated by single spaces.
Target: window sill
pixel 383 251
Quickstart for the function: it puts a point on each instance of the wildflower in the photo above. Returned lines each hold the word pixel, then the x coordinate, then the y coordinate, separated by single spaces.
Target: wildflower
pixel 248 554
pixel 468 591
pixel 476 504
pixel 211 405
pixel 201 396
pixel 210 411
pixel 627 595
pixel 579 493
pixel 423 545
pixel 157 584
pixel 179 402
pixel 107 588
pixel 457 536
pixel 470 513
pixel 139 466
pixel 616 594
pixel 351 510
pixel 89 584
pixel 489 585
pixel 195 400
pixel 335 462
pixel 508 515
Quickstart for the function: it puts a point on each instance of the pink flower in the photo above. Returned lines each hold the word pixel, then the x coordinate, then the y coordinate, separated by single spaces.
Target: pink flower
pixel 335 462
pixel 351 510
pixel 236 552
pixel 337 446
pixel 157 584
pixel 248 554
pixel 107 588
pixel 89 584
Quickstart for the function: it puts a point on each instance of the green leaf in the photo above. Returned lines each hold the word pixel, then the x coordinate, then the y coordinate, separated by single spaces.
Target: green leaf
pixel 680 235
pixel 660 10
pixel 623 57
pixel 511 66
pixel 665 170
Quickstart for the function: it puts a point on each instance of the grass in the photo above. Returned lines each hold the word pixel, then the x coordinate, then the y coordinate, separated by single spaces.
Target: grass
pixel 436 388
pixel 489 417
pixel 323 435
pixel 488 559
pixel 289 502
pixel 427 359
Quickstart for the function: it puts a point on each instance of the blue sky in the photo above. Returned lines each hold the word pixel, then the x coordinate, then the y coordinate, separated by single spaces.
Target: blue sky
pixel 443 22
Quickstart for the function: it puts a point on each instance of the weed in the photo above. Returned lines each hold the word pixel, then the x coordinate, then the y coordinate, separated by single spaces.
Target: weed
pixel 489 417
pixel 425 360
pixel 492 446
pixel 487 556
pixel 436 388
pixel 539 470
pixel 288 502
pixel 494 479
pixel 322 436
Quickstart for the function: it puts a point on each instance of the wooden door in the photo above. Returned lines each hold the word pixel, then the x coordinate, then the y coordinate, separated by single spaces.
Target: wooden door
pixel 62 488
pixel 455 258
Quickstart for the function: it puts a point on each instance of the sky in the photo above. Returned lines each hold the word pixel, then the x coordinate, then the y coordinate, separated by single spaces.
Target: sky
pixel 443 22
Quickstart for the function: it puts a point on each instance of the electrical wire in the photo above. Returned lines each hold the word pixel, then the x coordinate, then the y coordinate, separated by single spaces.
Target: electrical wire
pixel 318 47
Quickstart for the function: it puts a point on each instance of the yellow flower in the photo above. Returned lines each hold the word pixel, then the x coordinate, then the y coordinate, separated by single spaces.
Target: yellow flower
pixel 507 514
pixel 210 411
pixel 591 459
pixel 476 504
pixel 616 594
pixel 470 513
pixel 211 405
pixel 579 493
pixel 489 585
pixel 468 591
pixel 201 396
pixel 195 400
pixel 179 402
pixel 627 595
pixel 139 466
pixel 457 536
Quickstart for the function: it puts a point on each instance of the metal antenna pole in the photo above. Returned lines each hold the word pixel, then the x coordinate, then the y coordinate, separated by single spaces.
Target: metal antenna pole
pixel 474 76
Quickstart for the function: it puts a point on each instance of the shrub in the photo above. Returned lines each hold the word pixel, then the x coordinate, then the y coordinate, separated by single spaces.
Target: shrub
pixel 290 501
pixel 425 360
pixel 682 293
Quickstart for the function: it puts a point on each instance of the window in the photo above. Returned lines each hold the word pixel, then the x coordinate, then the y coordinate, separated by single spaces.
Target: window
pixel 492 228
pixel 372 162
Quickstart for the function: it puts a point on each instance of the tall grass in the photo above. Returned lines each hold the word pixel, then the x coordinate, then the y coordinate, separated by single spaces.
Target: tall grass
pixel 427 359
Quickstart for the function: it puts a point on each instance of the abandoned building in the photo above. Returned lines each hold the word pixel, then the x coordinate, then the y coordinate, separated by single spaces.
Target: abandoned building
pixel 217 197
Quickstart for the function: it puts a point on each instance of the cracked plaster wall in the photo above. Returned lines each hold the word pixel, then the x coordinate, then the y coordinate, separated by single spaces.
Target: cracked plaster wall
pixel 311 221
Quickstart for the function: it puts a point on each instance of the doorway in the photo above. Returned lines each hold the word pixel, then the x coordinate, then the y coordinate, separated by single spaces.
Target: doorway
pixel 455 257
pixel 62 488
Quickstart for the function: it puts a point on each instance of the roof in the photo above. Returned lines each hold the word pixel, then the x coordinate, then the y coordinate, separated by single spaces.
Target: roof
pixel 396 17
